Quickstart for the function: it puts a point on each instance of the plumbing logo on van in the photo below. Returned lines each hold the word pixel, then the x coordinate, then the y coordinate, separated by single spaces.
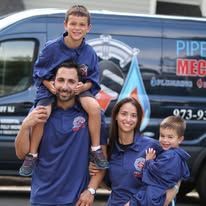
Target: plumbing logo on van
pixel 115 85
pixel 195 63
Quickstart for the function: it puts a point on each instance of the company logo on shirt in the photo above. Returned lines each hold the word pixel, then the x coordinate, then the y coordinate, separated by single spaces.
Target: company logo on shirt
pixel 139 164
pixel 83 70
pixel 78 123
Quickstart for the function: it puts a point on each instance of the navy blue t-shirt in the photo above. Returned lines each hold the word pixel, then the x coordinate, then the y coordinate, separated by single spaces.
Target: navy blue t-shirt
pixel 125 169
pixel 61 172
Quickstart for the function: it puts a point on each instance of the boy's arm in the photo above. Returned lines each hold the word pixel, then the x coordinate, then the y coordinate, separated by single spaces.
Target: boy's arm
pixel 93 74
pixel 22 141
pixel 49 84
pixel 82 87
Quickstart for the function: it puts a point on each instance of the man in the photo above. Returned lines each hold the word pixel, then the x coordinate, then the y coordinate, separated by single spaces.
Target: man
pixel 60 176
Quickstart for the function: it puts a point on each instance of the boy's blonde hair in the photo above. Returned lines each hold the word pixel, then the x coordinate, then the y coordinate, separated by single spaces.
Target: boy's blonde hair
pixel 78 10
pixel 174 122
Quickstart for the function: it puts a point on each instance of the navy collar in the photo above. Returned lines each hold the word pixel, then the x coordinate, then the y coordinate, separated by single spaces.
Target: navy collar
pixel 78 49
pixel 77 106
pixel 135 146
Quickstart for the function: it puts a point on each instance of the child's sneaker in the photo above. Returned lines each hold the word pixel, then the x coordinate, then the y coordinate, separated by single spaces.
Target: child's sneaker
pixel 27 166
pixel 98 158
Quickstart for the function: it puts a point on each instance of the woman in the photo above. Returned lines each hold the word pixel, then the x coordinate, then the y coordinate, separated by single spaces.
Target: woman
pixel 126 153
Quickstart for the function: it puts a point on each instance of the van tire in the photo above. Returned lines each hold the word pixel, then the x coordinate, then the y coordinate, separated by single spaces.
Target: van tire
pixel 201 185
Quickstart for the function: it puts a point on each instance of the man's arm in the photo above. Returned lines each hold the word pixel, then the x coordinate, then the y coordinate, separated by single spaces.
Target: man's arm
pixel 22 141
pixel 86 198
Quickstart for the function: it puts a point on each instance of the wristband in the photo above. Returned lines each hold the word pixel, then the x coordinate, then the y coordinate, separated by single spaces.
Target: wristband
pixel 91 190
pixel 176 188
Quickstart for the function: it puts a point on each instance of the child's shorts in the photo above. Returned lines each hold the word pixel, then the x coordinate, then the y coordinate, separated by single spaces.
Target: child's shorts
pixel 46 101
pixel 86 94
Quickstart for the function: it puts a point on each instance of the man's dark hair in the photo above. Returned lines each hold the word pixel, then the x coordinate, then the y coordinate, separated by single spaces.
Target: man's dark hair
pixel 69 65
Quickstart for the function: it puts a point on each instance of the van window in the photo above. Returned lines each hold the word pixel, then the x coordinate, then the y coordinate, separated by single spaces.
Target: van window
pixel 15 65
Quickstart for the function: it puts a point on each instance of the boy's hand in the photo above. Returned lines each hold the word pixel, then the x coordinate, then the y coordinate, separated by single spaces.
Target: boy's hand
pixel 50 86
pixel 150 154
pixel 79 88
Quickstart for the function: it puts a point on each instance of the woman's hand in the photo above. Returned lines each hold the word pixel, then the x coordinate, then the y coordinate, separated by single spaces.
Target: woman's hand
pixel 37 115
pixel 170 195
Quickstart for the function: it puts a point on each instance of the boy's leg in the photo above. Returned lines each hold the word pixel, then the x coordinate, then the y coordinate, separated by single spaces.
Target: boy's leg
pixel 93 110
pixel 91 106
pixel 36 135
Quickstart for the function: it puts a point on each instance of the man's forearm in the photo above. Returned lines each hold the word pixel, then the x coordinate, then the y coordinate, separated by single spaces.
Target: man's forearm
pixel 96 179
pixel 22 142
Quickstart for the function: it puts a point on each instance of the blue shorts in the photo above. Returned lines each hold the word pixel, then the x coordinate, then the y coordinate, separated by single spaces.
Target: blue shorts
pixel 45 101
pixel 86 94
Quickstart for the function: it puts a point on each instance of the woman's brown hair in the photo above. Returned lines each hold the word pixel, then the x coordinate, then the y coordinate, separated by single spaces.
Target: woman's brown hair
pixel 113 136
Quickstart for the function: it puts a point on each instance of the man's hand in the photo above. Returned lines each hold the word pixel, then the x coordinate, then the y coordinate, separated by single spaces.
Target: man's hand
pixel 37 115
pixel 85 199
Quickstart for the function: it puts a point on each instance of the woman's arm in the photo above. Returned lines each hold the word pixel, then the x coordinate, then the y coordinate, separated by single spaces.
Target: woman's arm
pixel 171 194
pixel 22 141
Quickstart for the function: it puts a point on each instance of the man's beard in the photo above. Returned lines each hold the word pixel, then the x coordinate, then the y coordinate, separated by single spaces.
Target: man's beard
pixel 65 98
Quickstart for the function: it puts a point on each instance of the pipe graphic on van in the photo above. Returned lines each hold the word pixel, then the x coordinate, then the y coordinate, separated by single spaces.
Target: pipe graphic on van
pixel 108 48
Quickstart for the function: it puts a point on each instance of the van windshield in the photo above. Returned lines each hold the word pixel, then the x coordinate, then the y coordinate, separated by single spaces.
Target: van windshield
pixel 15 65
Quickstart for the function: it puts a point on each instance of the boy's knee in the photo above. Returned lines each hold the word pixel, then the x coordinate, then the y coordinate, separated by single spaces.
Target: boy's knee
pixel 94 110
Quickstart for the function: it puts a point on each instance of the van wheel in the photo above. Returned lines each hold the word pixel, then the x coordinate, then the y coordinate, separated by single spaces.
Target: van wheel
pixel 201 185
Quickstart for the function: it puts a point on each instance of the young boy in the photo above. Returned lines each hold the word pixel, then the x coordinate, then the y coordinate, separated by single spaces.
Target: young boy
pixel 167 169
pixel 70 46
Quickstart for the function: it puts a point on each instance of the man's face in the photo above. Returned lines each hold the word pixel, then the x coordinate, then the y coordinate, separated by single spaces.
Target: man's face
pixel 65 82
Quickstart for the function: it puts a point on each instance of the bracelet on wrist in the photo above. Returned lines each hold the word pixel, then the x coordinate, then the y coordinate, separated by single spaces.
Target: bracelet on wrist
pixel 176 188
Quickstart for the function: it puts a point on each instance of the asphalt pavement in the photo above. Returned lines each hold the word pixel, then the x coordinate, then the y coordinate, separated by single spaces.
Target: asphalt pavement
pixel 15 191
